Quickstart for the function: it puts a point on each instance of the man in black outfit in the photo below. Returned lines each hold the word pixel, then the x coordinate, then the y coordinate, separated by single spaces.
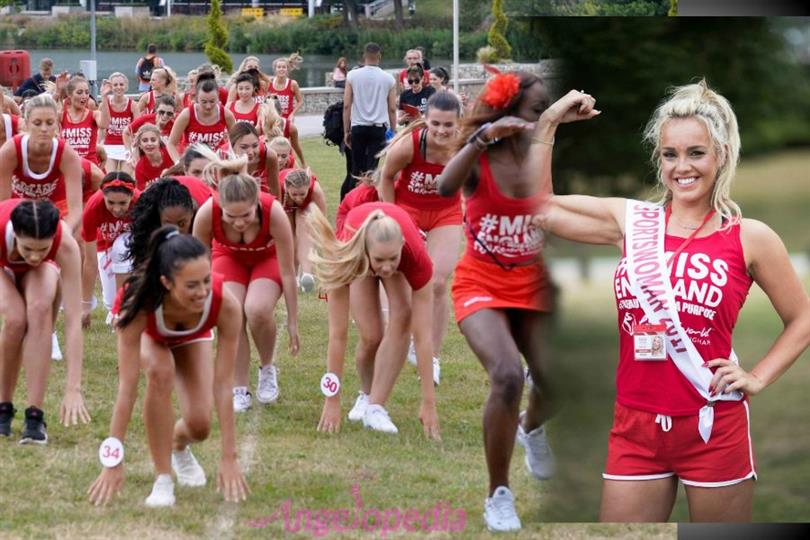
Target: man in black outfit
pixel 34 83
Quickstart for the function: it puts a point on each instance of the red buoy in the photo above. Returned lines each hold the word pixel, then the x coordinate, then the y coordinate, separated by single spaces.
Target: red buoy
pixel 15 67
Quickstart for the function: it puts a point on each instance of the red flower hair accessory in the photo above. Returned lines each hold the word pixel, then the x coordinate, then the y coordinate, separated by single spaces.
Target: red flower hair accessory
pixel 501 89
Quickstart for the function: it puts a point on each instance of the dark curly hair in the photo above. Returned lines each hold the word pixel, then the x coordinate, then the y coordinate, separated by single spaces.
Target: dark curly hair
pixel 165 193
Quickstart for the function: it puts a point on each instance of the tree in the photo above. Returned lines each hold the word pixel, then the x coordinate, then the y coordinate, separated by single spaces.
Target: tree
pixel 350 13
pixel 217 39
pixel 497 32
pixel 629 63
pixel 673 8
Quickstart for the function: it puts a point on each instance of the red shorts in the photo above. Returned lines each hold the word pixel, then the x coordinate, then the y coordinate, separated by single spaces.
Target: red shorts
pixel 640 447
pixel 429 219
pixel 234 270
pixel 481 285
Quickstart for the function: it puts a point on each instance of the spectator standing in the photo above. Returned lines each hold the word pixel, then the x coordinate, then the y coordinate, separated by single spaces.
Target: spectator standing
pixel 369 110
pixel 339 73
pixel 144 67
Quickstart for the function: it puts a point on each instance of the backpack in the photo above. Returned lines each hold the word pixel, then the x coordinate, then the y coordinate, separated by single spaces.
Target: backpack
pixel 333 124
pixel 146 67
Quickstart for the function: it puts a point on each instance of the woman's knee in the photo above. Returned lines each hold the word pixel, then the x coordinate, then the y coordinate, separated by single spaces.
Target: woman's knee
pixel 259 313
pixel 199 427
pixel 14 324
pixel 399 318
pixel 506 381
pixel 39 312
pixel 160 378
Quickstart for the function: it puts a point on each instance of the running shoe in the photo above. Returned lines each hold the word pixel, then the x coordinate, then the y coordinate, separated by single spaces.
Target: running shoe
pixel 499 511
pixel 241 399
pixel 307 283
pixel 6 416
pixel 187 469
pixel 267 387
pixel 539 457
pixel 162 492
pixel 34 431
pixel 376 418
pixel 359 409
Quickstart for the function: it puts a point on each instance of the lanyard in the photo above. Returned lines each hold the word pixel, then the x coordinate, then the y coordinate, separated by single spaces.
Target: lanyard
pixel 691 236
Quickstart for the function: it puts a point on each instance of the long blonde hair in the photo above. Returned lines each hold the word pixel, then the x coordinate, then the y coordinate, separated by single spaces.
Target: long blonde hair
pixel 270 119
pixel 701 102
pixel 219 167
pixel 338 263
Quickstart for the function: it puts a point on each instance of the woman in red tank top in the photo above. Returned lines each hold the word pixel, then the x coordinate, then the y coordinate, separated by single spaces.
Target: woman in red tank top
pixel 163 83
pixel 262 162
pixel 166 313
pixel 501 290
pixel 39 264
pixel 284 88
pixel 682 415
pixel 299 188
pixel 245 108
pixel 253 250
pixel 154 157
pixel 275 126
pixel 378 243
pixel 206 121
pixel 78 125
pixel 415 158
pixel 37 165
pixel 121 110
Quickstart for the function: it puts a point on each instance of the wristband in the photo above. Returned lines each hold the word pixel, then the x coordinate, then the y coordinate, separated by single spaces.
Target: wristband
pixel 111 452
pixel 476 140
pixel 330 384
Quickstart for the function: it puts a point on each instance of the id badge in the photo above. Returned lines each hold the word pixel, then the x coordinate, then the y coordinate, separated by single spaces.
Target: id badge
pixel 649 342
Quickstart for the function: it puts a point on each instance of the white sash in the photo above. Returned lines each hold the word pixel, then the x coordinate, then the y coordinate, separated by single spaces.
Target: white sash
pixel 649 278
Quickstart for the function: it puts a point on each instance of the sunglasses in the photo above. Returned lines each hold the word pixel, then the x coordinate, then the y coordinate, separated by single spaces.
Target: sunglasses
pixel 414 81
pixel 165 113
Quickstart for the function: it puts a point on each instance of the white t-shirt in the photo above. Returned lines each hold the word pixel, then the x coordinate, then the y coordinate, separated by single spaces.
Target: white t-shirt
pixel 370 88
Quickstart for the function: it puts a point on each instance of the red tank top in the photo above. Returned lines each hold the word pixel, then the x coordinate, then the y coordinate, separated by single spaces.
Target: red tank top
pixel 251 117
pixel 498 227
pixel 187 100
pixel 27 184
pixel 710 282
pixel 87 181
pixel 363 193
pixel 414 263
pixel 146 173
pixel 8 238
pixel 82 135
pixel 210 135
pixel 100 225
pixel 119 120
pixel 289 205
pixel 156 325
pixel 260 174
pixel 285 97
pixel 262 247
pixel 10 125
pixel 417 185
pixel 199 190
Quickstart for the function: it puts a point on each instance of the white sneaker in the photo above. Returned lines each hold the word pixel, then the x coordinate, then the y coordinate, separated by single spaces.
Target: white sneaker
pixel 376 418
pixel 162 492
pixel 267 387
pixel 109 320
pixel 499 511
pixel 359 409
pixel 185 467
pixel 437 371
pixel 56 352
pixel 241 399
pixel 411 353
pixel 539 457
pixel 307 282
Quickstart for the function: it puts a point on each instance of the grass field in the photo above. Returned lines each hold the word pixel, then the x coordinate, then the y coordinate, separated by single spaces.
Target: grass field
pixel 42 490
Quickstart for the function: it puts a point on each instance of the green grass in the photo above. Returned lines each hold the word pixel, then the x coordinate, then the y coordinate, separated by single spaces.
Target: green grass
pixel 42 490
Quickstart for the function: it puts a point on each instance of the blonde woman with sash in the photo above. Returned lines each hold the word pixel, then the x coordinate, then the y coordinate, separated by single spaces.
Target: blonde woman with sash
pixel 689 261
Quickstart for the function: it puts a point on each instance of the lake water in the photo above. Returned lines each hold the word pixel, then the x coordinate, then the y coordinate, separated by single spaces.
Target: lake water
pixel 311 72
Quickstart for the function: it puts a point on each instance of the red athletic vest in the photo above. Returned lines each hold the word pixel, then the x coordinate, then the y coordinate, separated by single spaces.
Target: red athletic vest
pixel 417 184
